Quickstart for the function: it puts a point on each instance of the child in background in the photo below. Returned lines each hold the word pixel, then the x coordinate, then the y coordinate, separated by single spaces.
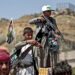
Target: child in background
pixel 4 61
pixel 26 65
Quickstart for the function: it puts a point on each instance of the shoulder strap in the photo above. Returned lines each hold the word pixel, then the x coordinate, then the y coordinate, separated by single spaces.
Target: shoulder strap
pixel 18 49
pixel 50 23
pixel 22 55
pixel 24 51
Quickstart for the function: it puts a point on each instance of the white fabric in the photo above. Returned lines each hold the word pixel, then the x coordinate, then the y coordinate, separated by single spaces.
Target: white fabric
pixel 46 8
pixel 25 48
pixel 28 58
pixel 10 29
pixel 26 71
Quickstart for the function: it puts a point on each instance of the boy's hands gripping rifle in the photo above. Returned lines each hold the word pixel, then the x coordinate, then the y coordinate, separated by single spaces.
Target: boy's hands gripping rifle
pixel 49 25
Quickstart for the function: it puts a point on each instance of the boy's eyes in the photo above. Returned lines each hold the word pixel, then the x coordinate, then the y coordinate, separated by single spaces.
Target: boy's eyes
pixel 6 63
pixel 29 34
pixel 1 63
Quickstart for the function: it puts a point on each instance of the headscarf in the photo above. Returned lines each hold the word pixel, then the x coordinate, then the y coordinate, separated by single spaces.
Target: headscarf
pixel 4 54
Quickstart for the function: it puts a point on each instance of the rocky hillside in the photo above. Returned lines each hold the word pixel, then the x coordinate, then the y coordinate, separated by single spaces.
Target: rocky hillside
pixel 65 22
pixel 66 25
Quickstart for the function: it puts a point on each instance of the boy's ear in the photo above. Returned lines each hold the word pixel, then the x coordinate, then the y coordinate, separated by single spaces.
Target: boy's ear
pixel 23 34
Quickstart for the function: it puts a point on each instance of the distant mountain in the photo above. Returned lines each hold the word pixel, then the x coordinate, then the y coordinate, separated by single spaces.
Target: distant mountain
pixel 3 21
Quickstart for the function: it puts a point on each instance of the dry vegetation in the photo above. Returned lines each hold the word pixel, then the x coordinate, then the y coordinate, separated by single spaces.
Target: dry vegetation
pixel 66 24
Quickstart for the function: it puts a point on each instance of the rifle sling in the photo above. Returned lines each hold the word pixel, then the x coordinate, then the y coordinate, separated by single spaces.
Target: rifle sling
pixel 50 23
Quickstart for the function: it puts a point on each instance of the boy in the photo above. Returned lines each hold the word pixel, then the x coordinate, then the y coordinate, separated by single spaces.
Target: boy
pixel 26 65
pixel 44 24
pixel 4 61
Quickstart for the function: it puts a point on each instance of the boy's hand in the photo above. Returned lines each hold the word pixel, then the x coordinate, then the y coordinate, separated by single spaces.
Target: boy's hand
pixel 57 36
pixel 34 42
pixel 38 45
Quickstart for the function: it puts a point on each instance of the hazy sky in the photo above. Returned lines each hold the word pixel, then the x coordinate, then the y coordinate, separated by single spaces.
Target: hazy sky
pixel 17 8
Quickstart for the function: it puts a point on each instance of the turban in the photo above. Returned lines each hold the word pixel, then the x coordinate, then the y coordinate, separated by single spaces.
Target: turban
pixel 4 54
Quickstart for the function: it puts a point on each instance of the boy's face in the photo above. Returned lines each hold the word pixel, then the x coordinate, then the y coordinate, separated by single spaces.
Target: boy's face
pixel 47 13
pixel 4 67
pixel 28 36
